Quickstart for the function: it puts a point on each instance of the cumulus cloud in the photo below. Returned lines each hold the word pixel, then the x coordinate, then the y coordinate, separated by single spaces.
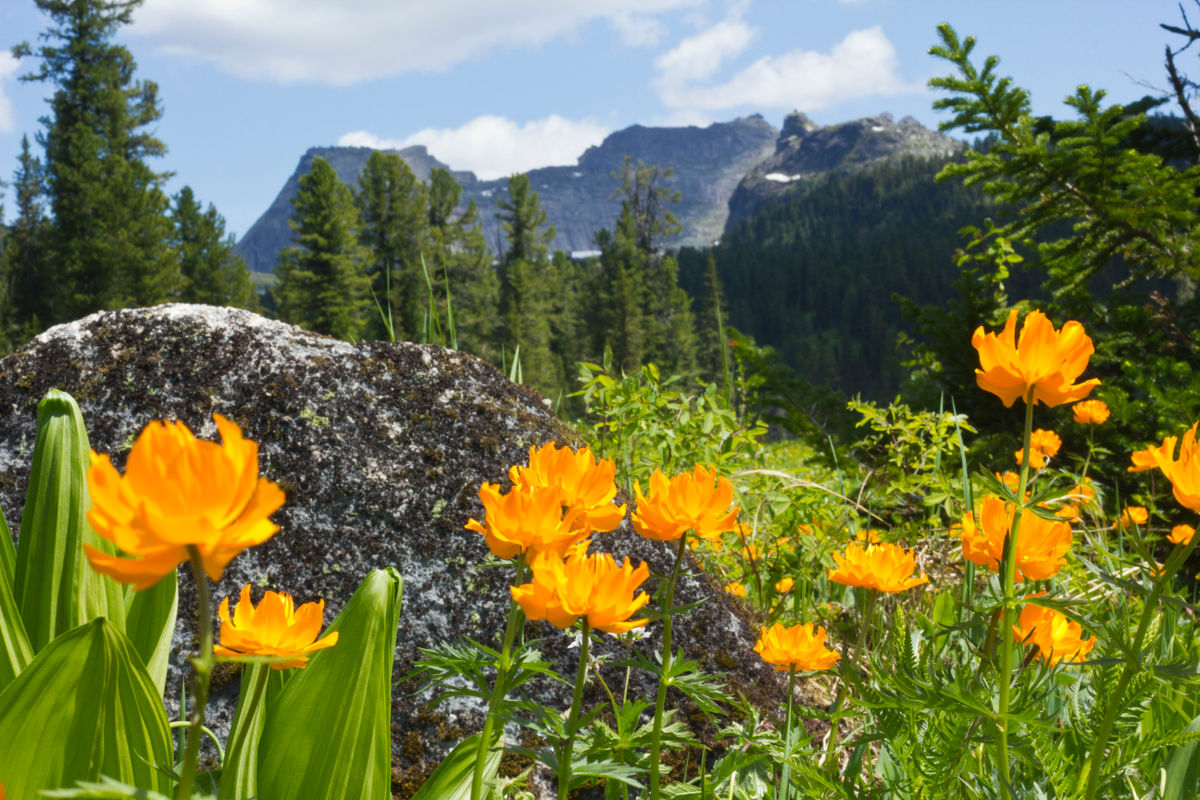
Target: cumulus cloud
pixel 701 56
pixel 8 68
pixel 863 64
pixel 493 146
pixel 347 42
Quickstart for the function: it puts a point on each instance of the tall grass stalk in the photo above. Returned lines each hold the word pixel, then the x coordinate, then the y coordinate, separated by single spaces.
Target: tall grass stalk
pixel 203 665
pixel 660 703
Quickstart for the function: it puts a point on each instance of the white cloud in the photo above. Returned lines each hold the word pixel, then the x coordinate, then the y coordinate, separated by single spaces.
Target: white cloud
pixel 494 147
pixel 8 68
pixel 700 56
pixel 863 64
pixel 346 42
pixel 637 30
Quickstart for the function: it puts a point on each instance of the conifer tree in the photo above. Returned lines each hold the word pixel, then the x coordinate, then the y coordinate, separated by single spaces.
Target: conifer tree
pixel 213 274
pixel 711 350
pixel 28 280
pixel 617 310
pixel 322 285
pixel 109 242
pixel 394 209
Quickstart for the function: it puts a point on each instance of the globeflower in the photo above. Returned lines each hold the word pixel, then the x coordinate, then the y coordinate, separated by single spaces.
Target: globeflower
pixel 1041 546
pixel 273 628
pixel 1057 637
pixel 1041 360
pixel 689 501
pixel 1181 535
pixel 525 521
pixel 1183 472
pixel 1133 515
pixel 784 585
pixel 1043 445
pixel 736 589
pixel 886 567
pixel 583 585
pixel 179 492
pixel 798 647
pixel 587 485
pixel 1147 458
pixel 1091 412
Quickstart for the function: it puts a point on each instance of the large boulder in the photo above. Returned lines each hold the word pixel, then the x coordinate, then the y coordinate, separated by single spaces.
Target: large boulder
pixel 380 448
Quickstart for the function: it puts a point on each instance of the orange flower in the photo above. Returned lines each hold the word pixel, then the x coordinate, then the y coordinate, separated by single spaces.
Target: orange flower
pixel 1181 534
pixel 870 536
pixel 525 521
pixel 562 591
pixel 798 647
pixel 736 589
pixel 1042 359
pixel 784 585
pixel 1043 445
pixel 886 567
pixel 1091 412
pixel 1144 460
pixel 1041 546
pixel 179 491
pixel 587 486
pixel 273 628
pixel 1182 472
pixel 686 502
pixel 1133 515
pixel 1056 636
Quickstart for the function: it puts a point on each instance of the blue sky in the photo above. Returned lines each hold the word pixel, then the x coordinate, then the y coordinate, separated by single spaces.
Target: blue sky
pixel 498 87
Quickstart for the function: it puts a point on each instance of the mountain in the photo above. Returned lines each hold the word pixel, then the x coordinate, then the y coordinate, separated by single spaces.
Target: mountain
pixel 708 162
pixel 806 152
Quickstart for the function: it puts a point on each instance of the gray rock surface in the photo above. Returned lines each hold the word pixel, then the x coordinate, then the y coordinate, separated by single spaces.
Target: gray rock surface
pixel 380 449
pixel 578 201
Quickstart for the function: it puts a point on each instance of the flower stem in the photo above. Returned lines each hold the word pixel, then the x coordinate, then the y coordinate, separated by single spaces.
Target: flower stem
pixel 489 726
pixel 564 762
pixel 202 665
pixel 1004 679
pixel 868 613
pixel 786 781
pixel 661 702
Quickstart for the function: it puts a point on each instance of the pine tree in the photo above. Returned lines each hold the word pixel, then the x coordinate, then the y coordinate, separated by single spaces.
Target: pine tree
pixel 109 242
pixel 711 347
pixel 213 274
pixel 617 310
pixel 394 209
pixel 28 280
pixel 322 285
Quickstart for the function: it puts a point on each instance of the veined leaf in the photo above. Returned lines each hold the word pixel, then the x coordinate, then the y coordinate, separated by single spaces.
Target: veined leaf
pixel 53 585
pixel 84 707
pixel 452 778
pixel 1183 768
pixel 239 771
pixel 15 650
pixel 328 733
pixel 8 553
pixel 150 623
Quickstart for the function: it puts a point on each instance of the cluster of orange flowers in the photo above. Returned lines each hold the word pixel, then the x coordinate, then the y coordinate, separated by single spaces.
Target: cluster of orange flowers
pixel 1041 547
pixel 1043 446
pixel 181 493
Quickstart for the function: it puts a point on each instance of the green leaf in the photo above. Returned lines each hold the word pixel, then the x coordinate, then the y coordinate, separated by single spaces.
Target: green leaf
pixel 53 585
pixel 108 789
pixel 328 733
pixel 452 778
pixel 239 770
pixel 82 708
pixel 150 623
pixel 1183 768
pixel 15 650
pixel 8 553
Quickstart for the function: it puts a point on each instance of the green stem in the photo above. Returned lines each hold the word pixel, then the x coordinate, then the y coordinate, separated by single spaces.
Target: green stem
pixel 661 702
pixel 240 779
pixel 202 666
pixel 489 726
pixel 786 783
pixel 1009 562
pixel 564 762
pixel 868 608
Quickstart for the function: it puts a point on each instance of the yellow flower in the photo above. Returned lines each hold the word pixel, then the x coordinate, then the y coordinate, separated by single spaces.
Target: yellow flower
pixel 689 501
pixel 525 521
pixel 1043 445
pixel 1056 636
pixel 1181 534
pixel 1091 412
pixel 1042 359
pixel 1182 472
pixel 1041 546
pixel 798 646
pixel 274 628
pixel 752 552
pixel 784 585
pixel 593 586
pixel 870 536
pixel 736 589
pixel 886 567
pixel 1133 515
pixel 179 491
pixel 587 486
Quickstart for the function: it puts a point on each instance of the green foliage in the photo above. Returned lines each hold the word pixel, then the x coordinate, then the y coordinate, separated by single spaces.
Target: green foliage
pixel 25 269
pixel 212 273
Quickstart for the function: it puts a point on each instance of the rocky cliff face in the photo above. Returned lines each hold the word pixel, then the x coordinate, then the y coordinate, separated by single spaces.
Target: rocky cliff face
pixel 805 151
pixel 381 449
pixel 578 201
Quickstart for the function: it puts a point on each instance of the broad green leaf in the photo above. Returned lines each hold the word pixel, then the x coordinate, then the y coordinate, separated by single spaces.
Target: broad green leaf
pixel 108 789
pixel 150 623
pixel 239 771
pixel 8 553
pixel 328 733
pixel 53 585
pixel 452 778
pixel 15 650
pixel 1183 769
pixel 84 707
